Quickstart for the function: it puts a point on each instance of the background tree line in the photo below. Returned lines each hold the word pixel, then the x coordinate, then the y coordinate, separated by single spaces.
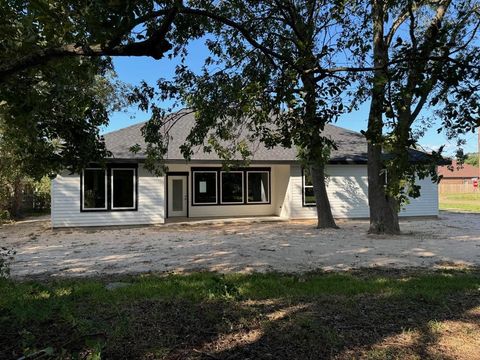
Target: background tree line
pixel 282 69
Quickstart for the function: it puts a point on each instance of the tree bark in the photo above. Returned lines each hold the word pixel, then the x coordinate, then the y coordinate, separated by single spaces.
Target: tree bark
pixel 315 157
pixel 17 198
pixel 383 209
pixel 324 210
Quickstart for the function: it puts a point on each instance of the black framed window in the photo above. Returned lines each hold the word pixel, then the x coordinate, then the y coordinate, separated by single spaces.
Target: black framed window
pixel 308 194
pixel 204 187
pixel 258 187
pixel 123 192
pixel 231 185
pixel 239 186
pixel 94 189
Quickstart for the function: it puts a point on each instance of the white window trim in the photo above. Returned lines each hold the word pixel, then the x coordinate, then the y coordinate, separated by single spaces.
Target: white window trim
pixel 216 187
pixel 221 187
pixel 83 190
pixel 268 186
pixel 134 189
pixel 305 203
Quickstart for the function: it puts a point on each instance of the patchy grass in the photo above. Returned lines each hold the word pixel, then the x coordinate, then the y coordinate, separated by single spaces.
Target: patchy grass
pixel 460 202
pixel 363 314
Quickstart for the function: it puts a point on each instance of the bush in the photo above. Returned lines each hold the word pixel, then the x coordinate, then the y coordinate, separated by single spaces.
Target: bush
pixel 6 257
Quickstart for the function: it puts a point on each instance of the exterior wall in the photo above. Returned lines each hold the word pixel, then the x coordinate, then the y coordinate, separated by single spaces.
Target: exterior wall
pixel 278 182
pixel 347 187
pixel 66 203
pixel 426 204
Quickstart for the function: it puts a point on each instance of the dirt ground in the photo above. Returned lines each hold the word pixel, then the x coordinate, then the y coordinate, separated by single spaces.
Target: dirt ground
pixel 451 240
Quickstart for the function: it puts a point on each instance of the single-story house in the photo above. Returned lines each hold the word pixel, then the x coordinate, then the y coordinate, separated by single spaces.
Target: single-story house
pixel 458 174
pixel 274 184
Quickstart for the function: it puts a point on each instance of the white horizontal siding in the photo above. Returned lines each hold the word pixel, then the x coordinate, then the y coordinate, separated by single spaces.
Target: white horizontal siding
pixel 66 203
pixel 427 203
pixel 347 187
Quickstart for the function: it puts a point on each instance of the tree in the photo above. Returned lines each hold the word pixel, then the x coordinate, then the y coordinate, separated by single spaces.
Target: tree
pixel 51 114
pixel 472 159
pixel 39 32
pixel 433 63
pixel 277 82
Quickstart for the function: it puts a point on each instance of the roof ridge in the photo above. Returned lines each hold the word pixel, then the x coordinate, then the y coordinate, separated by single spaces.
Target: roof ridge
pixel 345 129
pixel 125 128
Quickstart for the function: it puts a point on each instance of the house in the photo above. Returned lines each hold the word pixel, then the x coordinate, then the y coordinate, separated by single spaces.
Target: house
pixel 458 174
pixel 274 184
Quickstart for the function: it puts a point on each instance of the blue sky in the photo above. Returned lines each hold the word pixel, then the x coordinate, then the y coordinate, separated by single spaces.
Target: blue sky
pixel 133 70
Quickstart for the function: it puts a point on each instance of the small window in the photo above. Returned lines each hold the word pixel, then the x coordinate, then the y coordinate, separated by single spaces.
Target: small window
pixel 204 187
pixel 94 189
pixel 258 187
pixel 308 194
pixel 231 184
pixel 123 189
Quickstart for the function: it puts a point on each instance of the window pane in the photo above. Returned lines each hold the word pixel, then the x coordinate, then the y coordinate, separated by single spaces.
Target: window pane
pixel 232 187
pixel 307 177
pixel 177 195
pixel 257 186
pixel 123 188
pixel 94 189
pixel 309 196
pixel 205 186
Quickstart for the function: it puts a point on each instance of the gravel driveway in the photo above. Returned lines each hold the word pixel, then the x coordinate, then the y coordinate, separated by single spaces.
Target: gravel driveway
pixel 296 246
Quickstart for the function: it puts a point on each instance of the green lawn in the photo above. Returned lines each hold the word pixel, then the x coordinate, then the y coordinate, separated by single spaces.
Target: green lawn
pixel 366 314
pixel 461 202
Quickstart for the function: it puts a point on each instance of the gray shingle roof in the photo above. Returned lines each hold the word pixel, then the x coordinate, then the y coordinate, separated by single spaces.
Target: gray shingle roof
pixel 352 146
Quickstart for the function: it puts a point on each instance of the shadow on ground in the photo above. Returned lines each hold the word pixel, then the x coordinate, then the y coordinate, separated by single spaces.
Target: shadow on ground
pixel 366 314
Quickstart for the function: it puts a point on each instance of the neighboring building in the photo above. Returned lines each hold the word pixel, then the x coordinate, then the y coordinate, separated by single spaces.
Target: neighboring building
pixel 459 174
pixel 274 184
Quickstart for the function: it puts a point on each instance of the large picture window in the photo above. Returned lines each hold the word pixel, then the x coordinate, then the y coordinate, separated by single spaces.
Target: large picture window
pixel 204 187
pixel 214 186
pixel 113 188
pixel 123 188
pixel 308 194
pixel 94 189
pixel 258 187
pixel 231 185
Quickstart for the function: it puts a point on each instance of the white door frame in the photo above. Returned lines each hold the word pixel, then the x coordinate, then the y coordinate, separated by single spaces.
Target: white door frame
pixel 177 176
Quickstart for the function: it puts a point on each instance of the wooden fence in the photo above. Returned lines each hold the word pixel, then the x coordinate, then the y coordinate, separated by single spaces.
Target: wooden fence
pixel 445 188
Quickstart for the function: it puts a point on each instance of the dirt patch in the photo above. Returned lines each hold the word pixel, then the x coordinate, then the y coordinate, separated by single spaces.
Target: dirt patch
pixel 452 240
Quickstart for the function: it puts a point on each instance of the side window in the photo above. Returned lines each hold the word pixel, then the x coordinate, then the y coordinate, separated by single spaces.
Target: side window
pixel 258 187
pixel 204 187
pixel 231 187
pixel 308 194
pixel 94 189
pixel 123 188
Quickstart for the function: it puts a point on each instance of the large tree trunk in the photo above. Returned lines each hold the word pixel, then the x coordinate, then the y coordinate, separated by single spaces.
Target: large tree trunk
pixel 324 211
pixel 17 199
pixel 315 158
pixel 383 209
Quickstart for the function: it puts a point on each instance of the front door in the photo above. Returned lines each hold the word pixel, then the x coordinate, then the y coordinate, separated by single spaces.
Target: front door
pixel 177 195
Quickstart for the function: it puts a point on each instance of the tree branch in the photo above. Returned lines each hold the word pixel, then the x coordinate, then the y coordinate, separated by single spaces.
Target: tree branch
pixel 396 24
pixel 155 46
pixel 244 31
